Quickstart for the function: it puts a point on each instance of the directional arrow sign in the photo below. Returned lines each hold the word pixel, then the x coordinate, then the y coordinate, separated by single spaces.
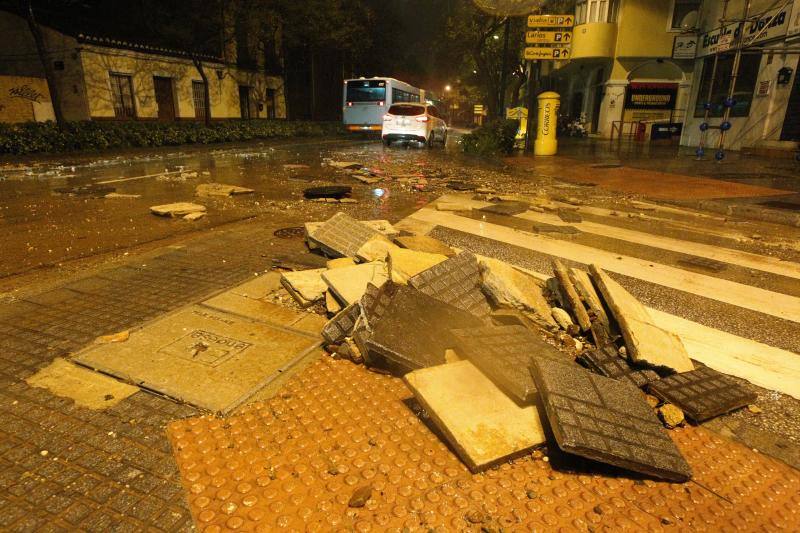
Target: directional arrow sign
pixel 551 21
pixel 548 37
pixel 546 52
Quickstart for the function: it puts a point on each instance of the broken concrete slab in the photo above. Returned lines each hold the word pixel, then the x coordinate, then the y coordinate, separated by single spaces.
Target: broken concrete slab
pixel 606 420
pixel 506 208
pixel 350 283
pixel 703 393
pixel 607 362
pixel 573 300
pixel 331 303
pixel 86 388
pixel 231 302
pixel 453 205
pixel 375 249
pixel 481 423
pixel 507 286
pixel 220 189
pixel 113 195
pixel 305 286
pixel 542 227
pixel 456 281
pixel 340 262
pixel 424 243
pixel 461 186
pixel 178 209
pixel 645 342
pixel 413 331
pixel 376 300
pixel 569 215
pixel 341 325
pixel 328 191
pixel 601 325
pixel 345 165
pixel 191 217
pixel 504 354
pixel 341 235
pixel 405 264
pixel 208 358
pixel 562 318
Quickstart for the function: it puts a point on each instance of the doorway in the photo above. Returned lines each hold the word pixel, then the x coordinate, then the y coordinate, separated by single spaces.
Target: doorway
pixel 244 101
pixel 791 123
pixel 165 98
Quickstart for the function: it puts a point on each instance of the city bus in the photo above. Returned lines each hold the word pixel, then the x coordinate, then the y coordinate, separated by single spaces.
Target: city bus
pixel 366 100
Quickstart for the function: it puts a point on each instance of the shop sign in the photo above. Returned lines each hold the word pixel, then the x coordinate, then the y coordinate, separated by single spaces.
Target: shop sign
pixel 651 95
pixel 684 47
pixel 718 40
pixel 771 25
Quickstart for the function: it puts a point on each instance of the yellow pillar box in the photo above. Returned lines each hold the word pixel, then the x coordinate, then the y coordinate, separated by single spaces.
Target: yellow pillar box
pixel 546 141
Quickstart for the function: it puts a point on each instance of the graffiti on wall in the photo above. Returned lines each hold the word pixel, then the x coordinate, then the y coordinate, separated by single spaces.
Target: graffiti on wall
pixel 26 92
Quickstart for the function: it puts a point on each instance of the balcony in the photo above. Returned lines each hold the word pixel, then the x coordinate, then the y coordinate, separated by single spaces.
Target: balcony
pixel 594 40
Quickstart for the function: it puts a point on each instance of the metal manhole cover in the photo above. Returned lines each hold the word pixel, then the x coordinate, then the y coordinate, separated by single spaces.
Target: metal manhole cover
pixel 295 232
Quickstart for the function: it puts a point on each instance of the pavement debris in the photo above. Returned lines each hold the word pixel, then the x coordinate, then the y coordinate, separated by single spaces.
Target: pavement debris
pixel 456 281
pixel 191 217
pixel 177 210
pixel 507 286
pixel 569 215
pixel 220 189
pixel 505 208
pixel 607 362
pixel 348 284
pixel 328 191
pixel 405 264
pixel 341 235
pixel 305 286
pixel 670 415
pixel 424 243
pixel 345 165
pixel 703 393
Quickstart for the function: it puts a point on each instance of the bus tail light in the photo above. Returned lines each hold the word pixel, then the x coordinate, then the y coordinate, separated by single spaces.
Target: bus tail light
pixel 349 104
pixel 380 104
pixel 387 118
pixel 423 118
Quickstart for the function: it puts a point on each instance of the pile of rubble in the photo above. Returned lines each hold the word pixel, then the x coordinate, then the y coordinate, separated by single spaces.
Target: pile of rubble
pixel 500 360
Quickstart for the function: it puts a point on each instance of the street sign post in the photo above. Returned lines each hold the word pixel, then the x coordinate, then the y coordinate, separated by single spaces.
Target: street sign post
pixel 548 37
pixel 546 52
pixel 551 21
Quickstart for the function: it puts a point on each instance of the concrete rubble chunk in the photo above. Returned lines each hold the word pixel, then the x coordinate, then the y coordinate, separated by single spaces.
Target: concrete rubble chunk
pixel 305 286
pixel 482 424
pixel 503 354
pixel 601 325
pixel 191 217
pixel 703 393
pixel 341 325
pixel 381 226
pixel 376 300
pixel 220 189
pixel 645 342
pixel 606 420
pixel 345 165
pixel 178 209
pixel 670 415
pixel 342 236
pixel 510 287
pixel 456 281
pixel 424 243
pixel 562 318
pixel 340 262
pixel 331 303
pixel 350 283
pixel 375 249
pixel 506 208
pixel 571 295
pixel 607 362
pixel 414 331
pixel 404 264
pixel 569 215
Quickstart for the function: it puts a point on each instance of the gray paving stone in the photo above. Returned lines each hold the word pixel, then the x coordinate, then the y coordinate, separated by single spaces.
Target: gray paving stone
pixel 342 235
pixel 543 227
pixel 507 208
pixel 606 420
pixel 456 281
pixel 569 215
pixel 702 393
pixel 504 354
pixel 341 325
pixel 607 362
pixel 414 331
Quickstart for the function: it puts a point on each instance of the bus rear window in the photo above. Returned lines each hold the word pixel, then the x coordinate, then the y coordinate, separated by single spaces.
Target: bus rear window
pixel 366 91
pixel 406 110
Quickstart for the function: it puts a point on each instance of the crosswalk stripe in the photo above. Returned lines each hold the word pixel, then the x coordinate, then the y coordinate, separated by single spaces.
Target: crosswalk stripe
pixel 745 296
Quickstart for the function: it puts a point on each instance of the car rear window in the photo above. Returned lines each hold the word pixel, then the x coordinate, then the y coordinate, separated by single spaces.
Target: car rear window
pixel 406 110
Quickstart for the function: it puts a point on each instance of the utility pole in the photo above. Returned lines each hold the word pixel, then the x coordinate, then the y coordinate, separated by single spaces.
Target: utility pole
pixel 532 89
pixel 504 65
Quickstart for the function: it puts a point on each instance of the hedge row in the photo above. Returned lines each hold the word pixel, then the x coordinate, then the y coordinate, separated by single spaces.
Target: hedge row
pixel 43 137
pixel 493 138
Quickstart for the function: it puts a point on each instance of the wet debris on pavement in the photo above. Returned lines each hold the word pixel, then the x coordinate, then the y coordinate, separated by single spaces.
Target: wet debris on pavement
pixel 336 192
pixel 177 210
pixel 92 190
pixel 220 189
pixel 463 329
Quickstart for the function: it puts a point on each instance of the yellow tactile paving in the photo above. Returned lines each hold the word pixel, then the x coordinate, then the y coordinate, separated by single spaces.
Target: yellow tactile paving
pixel 295 461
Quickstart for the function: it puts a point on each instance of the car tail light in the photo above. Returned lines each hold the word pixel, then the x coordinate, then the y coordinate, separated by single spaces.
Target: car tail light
pixel 387 118
pixel 423 118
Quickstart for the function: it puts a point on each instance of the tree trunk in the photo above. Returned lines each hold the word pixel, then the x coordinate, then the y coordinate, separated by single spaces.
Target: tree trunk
pixel 198 63
pixel 41 49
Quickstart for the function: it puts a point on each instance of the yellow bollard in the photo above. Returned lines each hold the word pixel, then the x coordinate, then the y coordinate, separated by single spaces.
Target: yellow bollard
pixel 546 140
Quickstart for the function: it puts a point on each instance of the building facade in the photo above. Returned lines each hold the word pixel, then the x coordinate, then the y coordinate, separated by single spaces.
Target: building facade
pixel 765 111
pixel 104 79
pixel 622 70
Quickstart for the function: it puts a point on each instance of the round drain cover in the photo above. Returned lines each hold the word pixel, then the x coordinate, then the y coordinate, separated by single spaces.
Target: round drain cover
pixel 295 232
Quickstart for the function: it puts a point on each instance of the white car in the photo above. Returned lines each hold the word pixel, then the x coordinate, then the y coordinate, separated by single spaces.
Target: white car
pixel 413 122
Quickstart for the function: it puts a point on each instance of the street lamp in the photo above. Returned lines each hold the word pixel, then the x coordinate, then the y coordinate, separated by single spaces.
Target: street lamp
pixel 447 88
